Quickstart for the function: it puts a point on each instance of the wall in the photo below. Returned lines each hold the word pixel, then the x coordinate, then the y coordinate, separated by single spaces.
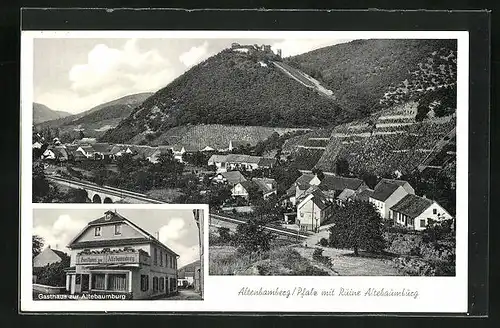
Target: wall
pixel 47 256
pixel 428 214
pixel 108 233
pixel 396 196
pixel 308 213
pixel 238 190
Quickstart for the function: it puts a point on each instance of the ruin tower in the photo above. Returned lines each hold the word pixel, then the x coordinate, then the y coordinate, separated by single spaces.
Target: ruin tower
pixel 279 53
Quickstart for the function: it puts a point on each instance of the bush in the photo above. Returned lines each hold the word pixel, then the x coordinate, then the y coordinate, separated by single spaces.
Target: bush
pixel 323 242
pixel 53 274
pixel 318 256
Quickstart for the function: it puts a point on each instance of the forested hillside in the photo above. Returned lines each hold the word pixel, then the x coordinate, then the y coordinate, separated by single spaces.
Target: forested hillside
pixel 42 113
pixel 230 88
pixel 363 72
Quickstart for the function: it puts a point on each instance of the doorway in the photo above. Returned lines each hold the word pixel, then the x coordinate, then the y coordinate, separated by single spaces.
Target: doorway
pixel 85 283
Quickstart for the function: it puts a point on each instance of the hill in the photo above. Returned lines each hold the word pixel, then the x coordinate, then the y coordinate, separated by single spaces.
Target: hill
pixel 42 113
pixel 365 75
pixel 95 121
pixel 230 88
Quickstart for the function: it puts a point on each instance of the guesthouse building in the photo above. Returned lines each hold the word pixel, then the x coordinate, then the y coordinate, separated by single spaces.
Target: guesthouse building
pixel 113 255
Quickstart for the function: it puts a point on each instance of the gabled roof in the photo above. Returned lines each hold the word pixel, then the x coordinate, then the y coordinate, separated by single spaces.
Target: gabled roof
pixel 87 148
pixel 59 253
pixel 102 147
pixel 266 161
pixel 237 158
pixel 383 190
pixel 115 218
pixel 318 198
pixel 60 152
pixel 333 182
pixel 412 205
pixel 262 183
pixel 400 183
pixel 303 180
pixel 218 158
pixel 247 184
pixel 364 195
pixel 346 194
pixel 233 177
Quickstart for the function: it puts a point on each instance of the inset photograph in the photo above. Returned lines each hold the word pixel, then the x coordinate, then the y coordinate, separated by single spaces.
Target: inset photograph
pixel 117 254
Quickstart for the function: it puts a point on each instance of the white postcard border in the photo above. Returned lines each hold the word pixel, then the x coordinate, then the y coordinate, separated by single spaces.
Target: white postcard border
pixel 436 294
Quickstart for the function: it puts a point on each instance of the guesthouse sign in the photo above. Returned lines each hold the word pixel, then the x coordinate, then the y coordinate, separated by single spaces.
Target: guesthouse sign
pixel 107 258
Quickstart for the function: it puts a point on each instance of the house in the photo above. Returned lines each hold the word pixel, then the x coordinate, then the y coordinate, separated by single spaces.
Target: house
pixel 387 193
pixel 207 148
pixel 178 151
pixel 345 196
pixel 219 161
pixel 363 196
pixel 49 153
pixel 333 185
pixel 85 150
pixel 264 185
pixel 231 178
pixel 300 185
pixel 114 255
pixel 190 273
pixel 48 256
pixel 232 162
pixel 61 153
pixel 313 210
pixel 415 212
pixel 102 151
pixel 120 150
pixel 37 145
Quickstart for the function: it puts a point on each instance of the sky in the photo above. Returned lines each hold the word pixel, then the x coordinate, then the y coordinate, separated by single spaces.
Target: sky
pixel 177 228
pixel 76 74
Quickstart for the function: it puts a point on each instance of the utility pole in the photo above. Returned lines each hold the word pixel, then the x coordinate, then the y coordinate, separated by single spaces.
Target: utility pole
pixel 197 214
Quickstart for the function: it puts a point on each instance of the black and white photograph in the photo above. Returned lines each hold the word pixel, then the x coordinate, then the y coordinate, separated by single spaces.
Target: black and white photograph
pixel 324 157
pixel 327 163
pixel 117 254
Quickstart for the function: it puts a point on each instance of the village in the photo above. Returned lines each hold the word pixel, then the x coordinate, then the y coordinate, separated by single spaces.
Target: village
pixel 306 204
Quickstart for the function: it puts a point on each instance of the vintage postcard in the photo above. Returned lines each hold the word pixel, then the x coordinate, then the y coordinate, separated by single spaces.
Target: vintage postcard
pixel 330 162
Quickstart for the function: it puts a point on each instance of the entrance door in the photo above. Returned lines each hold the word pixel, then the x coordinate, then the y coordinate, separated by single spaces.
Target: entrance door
pixel 85 283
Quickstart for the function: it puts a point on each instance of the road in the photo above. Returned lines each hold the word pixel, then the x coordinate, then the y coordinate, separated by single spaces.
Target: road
pixel 185 294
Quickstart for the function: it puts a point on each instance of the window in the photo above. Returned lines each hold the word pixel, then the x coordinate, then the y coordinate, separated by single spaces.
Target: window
pixel 118 229
pixel 98 281
pixel 155 256
pixel 162 284
pixel 434 211
pixel 422 223
pixel 97 231
pixel 144 282
pixel 117 282
pixel 161 258
pixel 155 284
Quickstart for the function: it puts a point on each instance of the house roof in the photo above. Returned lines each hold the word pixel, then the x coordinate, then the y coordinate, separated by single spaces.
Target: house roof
pixel 248 184
pixel 116 217
pixel 237 158
pixel 233 177
pixel 262 183
pixel 303 180
pixel 400 183
pixel 102 147
pixel 364 195
pixel 384 189
pixel 318 198
pixel 60 152
pixel 59 253
pixel 87 148
pixel 346 194
pixel 412 205
pixel 218 158
pixel 333 182
pixel 266 161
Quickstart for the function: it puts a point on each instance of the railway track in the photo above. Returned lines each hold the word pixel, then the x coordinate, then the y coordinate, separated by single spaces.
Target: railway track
pixel 106 189
pixel 275 230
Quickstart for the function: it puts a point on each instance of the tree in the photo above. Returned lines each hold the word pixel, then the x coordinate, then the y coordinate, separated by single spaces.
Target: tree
pixel 357 226
pixel 318 173
pixel 81 135
pixel 37 245
pixel 370 179
pixel 341 166
pixel 53 274
pixel 224 235
pixel 254 193
pixel 251 237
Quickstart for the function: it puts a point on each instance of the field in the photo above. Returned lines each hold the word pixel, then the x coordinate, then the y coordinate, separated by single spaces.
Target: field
pixel 214 135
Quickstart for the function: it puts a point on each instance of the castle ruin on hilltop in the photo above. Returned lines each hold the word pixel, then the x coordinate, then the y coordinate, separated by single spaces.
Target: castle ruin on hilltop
pixel 263 50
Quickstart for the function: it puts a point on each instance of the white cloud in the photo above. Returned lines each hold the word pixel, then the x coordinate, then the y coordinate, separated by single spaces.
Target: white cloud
pixel 110 73
pixel 172 235
pixel 60 233
pixel 194 55
pixel 292 47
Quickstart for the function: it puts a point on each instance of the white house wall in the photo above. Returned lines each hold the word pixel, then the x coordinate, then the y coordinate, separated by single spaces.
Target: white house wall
pixel 441 215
